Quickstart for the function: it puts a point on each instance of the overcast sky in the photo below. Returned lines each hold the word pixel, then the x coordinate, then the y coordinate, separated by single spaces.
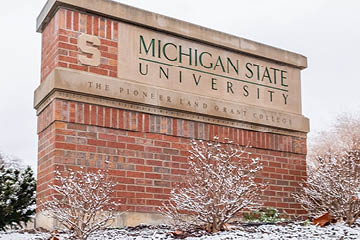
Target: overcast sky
pixel 327 32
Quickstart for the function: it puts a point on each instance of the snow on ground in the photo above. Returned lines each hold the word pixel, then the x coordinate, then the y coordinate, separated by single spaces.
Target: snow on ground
pixel 23 236
pixel 268 232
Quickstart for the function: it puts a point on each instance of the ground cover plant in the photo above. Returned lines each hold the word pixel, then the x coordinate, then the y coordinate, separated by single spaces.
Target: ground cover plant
pixel 264 215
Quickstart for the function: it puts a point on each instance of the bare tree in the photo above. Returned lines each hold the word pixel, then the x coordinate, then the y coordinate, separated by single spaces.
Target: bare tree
pixel 333 183
pixel 82 203
pixel 219 184
pixel 10 161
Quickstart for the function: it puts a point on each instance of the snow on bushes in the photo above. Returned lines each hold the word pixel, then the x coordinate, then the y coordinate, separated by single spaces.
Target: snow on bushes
pixel 219 184
pixel 82 202
pixel 333 183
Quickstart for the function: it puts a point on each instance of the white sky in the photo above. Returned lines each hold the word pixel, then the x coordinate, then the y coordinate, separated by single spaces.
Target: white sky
pixel 327 32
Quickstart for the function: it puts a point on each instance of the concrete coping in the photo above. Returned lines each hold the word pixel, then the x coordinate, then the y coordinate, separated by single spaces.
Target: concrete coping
pixel 125 13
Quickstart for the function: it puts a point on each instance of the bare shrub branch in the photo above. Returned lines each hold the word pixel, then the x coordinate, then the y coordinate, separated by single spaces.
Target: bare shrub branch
pixel 333 184
pixel 82 203
pixel 220 183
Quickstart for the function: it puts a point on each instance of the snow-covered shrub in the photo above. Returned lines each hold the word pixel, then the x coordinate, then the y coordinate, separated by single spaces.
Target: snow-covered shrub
pixel 333 184
pixel 17 195
pixel 219 184
pixel 82 202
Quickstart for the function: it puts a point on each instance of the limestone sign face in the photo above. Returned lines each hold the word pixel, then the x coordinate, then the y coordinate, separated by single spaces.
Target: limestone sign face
pixel 157 59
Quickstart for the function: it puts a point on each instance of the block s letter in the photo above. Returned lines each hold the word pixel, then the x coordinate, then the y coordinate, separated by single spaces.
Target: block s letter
pixel 88 44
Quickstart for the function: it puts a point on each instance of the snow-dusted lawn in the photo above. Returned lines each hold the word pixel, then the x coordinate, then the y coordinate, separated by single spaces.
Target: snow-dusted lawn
pixel 291 231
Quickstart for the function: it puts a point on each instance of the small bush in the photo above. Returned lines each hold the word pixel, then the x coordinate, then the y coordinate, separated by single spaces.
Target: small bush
pixel 265 215
pixel 82 203
pixel 333 183
pixel 219 184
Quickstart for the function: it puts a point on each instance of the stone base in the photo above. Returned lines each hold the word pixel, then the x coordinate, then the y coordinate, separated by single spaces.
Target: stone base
pixel 125 219
pixel 136 218
pixel 46 222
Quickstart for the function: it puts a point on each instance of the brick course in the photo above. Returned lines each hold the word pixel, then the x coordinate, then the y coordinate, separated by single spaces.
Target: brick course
pixel 147 153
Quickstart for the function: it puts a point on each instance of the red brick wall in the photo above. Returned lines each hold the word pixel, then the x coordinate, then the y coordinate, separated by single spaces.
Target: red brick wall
pixel 147 153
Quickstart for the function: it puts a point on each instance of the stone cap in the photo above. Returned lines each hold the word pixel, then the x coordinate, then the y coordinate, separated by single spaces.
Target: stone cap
pixel 125 13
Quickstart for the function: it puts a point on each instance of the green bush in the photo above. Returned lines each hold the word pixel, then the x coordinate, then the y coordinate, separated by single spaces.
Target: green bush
pixel 265 215
pixel 17 197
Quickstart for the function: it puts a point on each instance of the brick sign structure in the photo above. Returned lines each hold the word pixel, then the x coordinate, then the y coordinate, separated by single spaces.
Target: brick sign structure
pixel 133 88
